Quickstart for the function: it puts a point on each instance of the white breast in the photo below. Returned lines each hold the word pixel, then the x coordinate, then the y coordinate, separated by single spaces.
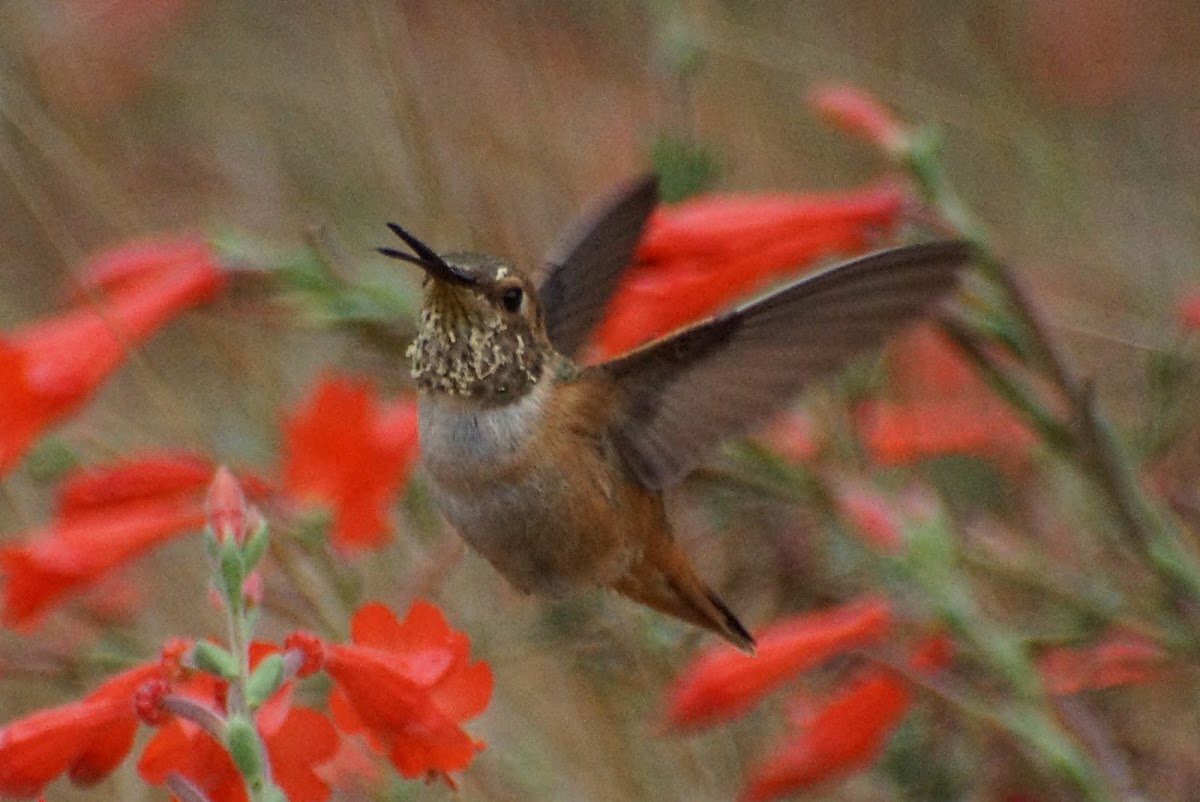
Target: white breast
pixel 461 440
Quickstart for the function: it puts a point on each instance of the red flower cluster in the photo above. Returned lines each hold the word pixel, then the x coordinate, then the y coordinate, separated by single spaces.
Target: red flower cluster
pixel 342 449
pixel 298 741
pixel 699 256
pixel 406 685
pixel 846 732
pixel 49 368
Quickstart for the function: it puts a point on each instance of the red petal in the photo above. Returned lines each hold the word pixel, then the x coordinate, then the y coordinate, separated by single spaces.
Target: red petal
pixel 843 736
pixel 342 452
pixel 139 259
pixel 1118 658
pixel 72 554
pixel 723 683
pixel 163 475
pixel 181 747
pixel 87 738
pixel 848 732
pixel 49 368
pixel 856 112
pixel 302 742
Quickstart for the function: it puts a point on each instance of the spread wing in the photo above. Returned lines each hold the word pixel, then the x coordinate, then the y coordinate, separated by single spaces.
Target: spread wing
pixel 589 260
pixel 683 394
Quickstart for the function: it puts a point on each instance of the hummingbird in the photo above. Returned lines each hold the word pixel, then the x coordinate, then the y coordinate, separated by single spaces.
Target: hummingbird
pixel 555 471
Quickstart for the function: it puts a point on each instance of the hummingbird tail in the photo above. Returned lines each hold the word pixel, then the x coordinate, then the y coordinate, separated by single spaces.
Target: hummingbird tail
pixel 686 597
pixel 732 629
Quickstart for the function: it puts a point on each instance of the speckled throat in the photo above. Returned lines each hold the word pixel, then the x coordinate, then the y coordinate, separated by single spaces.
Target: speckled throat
pixel 466 347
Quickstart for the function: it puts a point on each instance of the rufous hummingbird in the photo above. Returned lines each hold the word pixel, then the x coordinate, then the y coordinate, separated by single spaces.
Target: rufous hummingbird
pixel 555 471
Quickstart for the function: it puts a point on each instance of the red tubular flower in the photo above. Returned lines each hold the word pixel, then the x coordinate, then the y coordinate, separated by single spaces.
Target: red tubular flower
pixel 105 517
pixel 157 476
pixel 723 683
pixel 407 685
pixel 1118 658
pixel 699 256
pixel 856 112
pixel 848 732
pixel 939 407
pixel 299 741
pixel 344 451
pixel 85 740
pixel 48 369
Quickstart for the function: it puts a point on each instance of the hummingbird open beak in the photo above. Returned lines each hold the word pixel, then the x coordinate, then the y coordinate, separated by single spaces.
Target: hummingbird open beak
pixel 427 259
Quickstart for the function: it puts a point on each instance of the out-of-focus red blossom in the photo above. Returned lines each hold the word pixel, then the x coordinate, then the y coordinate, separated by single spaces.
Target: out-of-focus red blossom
pixel 869 512
pixel 847 732
pixel 1188 312
pixel 722 683
pixel 99 52
pixel 104 517
pixel 346 451
pixel 938 406
pixel 795 436
pixel 66 556
pixel 698 256
pixel 856 112
pixel 407 685
pixel 138 259
pixel 152 476
pixel 49 368
pixel 85 740
pixel 1118 658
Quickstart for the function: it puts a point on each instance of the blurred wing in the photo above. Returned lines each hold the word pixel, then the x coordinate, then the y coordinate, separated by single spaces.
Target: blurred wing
pixel 683 394
pixel 588 262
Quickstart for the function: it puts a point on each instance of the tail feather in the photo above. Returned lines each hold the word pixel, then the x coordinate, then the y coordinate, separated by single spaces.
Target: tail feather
pixel 673 588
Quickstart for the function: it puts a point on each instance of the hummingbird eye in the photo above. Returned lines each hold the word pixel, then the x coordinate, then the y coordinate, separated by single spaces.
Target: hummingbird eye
pixel 511 299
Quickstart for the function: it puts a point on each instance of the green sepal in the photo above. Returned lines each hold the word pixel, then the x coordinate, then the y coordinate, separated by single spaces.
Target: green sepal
pixel 212 545
pixel 212 659
pixel 272 793
pixel 246 749
pixel 264 680
pixel 233 573
pixel 256 545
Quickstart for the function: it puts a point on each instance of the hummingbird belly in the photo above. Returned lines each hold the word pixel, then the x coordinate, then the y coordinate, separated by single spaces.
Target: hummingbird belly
pixel 544 508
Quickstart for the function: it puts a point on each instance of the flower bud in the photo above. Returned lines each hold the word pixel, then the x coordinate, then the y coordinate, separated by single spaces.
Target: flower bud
pixel 225 507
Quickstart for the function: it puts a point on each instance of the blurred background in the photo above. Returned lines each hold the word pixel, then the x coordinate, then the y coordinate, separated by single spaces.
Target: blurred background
pixel 1071 127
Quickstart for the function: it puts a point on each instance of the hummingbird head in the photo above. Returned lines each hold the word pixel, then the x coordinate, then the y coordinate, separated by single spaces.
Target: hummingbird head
pixel 481 334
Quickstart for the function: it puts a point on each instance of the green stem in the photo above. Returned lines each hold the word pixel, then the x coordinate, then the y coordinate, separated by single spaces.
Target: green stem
pixel 1148 527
